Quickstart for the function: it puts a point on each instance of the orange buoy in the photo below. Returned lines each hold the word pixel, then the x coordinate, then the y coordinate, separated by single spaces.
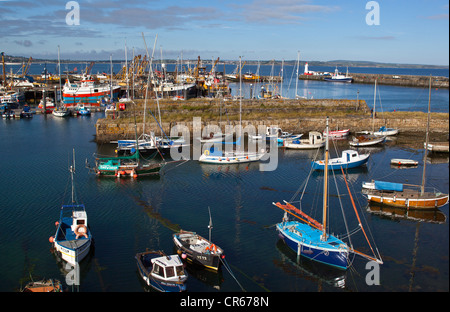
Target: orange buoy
pixel 51 239
pixel 56 223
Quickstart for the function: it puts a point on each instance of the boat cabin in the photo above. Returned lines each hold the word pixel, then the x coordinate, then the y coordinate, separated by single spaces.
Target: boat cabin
pixel 349 155
pixel 168 267
pixel 315 137
pixel 78 218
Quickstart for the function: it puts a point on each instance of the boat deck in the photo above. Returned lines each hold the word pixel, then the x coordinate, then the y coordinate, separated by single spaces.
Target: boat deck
pixel 67 238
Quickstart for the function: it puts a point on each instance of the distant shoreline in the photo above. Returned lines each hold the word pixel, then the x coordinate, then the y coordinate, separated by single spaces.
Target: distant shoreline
pixel 334 63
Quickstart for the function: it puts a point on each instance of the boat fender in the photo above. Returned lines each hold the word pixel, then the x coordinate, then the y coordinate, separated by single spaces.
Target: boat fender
pixel 206 152
pixel 56 223
pixel 81 230
pixel 220 159
pixel 51 239
pixel 246 157
pixel 228 159
pixel 212 247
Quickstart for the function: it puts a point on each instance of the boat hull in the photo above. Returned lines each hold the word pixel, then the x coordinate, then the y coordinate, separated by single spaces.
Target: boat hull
pixel 363 142
pixel 88 97
pixel 230 159
pixel 337 163
pixel 298 239
pixel 409 200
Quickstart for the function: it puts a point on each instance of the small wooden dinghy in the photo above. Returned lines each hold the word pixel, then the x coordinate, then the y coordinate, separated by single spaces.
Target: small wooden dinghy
pixel 50 285
pixel 404 162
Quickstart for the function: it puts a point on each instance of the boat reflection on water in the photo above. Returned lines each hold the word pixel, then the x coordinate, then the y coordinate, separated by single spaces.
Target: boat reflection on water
pixel 207 276
pixel 307 269
pixel 75 274
pixel 396 213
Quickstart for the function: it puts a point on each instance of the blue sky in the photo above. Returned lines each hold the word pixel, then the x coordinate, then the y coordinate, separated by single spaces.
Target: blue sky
pixel 409 32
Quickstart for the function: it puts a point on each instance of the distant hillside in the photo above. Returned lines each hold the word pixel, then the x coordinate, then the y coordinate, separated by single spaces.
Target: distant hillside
pixel 339 63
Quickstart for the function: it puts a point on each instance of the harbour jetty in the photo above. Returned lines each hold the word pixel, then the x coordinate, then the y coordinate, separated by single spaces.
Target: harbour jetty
pixel 393 80
pixel 291 115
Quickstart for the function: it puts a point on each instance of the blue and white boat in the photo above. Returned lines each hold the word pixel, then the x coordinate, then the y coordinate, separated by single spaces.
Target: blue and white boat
pixel 349 159
pixel 82 110
pixel 73 238
pixel 310 238
pixel 163 273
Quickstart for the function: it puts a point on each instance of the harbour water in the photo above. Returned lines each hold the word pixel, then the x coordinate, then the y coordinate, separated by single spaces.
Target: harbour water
pixel 389 98
pixel 127 216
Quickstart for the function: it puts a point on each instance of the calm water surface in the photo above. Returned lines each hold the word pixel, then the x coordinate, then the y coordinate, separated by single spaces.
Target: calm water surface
pixel 127 216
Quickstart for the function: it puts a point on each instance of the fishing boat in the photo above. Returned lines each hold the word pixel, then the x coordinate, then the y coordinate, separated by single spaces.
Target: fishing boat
pixel 404 162
pixel 61 111
pixel 197 249
pixel 349 159
pixel 126 166
pixel 82 110
pixel 73 238
pixel 45 285
pixel 163 273
pixel 315 140
pixel 407 195
pixel 338 77
pixel 46 103
pixel 310 238
pixel 88 91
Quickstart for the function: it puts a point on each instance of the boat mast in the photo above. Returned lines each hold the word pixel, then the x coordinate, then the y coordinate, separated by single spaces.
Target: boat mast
pixel 59 74
pixel 374 100
pixel 240 97
pixel 422 188
pixel 210 223
pixel 296 78
pixel 72 171
pixel 325 191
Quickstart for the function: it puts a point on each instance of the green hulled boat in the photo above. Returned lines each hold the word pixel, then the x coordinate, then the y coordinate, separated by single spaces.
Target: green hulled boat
pixel 123 166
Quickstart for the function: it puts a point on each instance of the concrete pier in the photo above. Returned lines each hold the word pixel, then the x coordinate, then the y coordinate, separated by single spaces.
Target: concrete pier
pixel 299 116
pixel 393 80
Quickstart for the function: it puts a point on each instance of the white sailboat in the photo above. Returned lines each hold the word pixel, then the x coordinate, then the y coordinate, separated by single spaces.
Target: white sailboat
pixel 60 110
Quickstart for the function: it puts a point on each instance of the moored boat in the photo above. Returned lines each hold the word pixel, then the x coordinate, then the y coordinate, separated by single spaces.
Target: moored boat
pixel 367 140
pixel 338 133
pixel 403 195
pixel 311 239
pixel 404 162
pixel 88 91
pixel 163 273
pixel 73 238
pixel 45 285
pixel 349 159
pixel 315 140
pixel 198 249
